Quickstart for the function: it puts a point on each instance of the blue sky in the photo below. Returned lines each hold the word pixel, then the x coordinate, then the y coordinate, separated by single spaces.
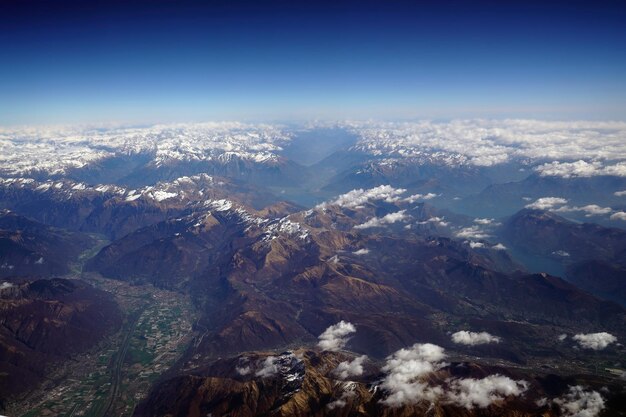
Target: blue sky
pixel 162 61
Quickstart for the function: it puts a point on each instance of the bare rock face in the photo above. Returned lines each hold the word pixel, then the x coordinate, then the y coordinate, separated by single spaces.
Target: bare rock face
pixel 47 321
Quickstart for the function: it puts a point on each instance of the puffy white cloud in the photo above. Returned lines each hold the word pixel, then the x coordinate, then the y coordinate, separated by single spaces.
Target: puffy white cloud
pixel 483 392
pixel 595 341
pixel 562 337
pixel 581 168
pixel 498 246
pixel 347 369
pixel 243 370
pixel 362 251
pixel 465 337
pixel 547 203
pixel 473 232
pixel 269 367
pixel 591 209
pixel 405 367
pixel 620 215
pixel 475 245
pixel 483 221
pixel 580 403
pixel 416 197
pixel 335 337
pixel 359 197
pixel 620 193
pixel 439 221
pixel 406 381
pixel 387 219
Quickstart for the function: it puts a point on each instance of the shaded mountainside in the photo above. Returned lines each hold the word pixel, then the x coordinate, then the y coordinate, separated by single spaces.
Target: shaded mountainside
pixel 29 248
pixel 593 257
pixel 45 322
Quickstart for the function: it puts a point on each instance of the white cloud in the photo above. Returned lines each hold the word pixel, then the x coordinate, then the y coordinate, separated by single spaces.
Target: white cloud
pixel 562 337
pixel 580 403
pixel 439 221
pixel 359 197
pixel 483 392
pixel 581 168
pixel 620 193
pixel 475 245
pixel 362 251
pixel 335 337
pixel 347 369
pixel 243 370
pixel 269 367
pixel 483 221
pixel 498 246
pixel 6 285
pixel 405 367
pixel 595 341
pixel 491 142
pixel 472 232
pixel 591 209
pixel 465 337
pixel 620 215
pixel 387 219
pixel 416 197
pixel 547 203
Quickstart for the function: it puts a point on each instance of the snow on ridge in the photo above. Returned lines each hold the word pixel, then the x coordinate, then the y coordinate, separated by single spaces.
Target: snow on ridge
pixel 57 150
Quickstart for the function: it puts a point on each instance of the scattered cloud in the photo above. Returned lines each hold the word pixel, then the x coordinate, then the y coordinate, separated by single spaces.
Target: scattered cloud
pixel 473 232
pixel 243 370
pixel 620 193
pixel 475 245
pixel 591 209
pixel 620 215
pixel 483 392
pixel 362 251
pixel 595 341
pixel 268 368
pixel 581 168
pixel 439 221
pixel 465 337
pixel 6 285
pixel 580 403
pixel 483 221
pixel 347 369
pixel 357 198
pixel 335 337
pixel 387 219
pixel 547 203
pixel 562 337
pixel 416 197
pixel 405 367
pixel 498 246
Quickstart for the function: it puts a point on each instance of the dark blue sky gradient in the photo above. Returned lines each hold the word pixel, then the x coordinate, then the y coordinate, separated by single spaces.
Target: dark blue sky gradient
pixel 161 61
